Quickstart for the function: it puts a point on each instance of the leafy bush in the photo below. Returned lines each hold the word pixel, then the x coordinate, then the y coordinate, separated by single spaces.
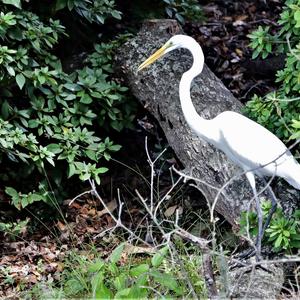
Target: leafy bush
pixel 48 118
pixel 279 110
pixel 282 233
pixel 93 11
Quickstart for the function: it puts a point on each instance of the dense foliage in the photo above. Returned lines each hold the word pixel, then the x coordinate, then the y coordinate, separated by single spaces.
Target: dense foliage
pixel 279 110
pixel 184 10
pixel 48 118
pixel 282 233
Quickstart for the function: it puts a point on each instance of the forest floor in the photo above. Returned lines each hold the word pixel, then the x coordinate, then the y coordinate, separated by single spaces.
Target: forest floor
pixel 36 254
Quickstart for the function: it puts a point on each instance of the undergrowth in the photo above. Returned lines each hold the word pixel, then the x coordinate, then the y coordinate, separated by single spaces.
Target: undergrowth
pixel 279 110
pixel 120 276
pixel 53 122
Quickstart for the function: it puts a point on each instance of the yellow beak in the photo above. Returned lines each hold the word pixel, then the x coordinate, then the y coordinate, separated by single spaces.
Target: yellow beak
pixel 159 53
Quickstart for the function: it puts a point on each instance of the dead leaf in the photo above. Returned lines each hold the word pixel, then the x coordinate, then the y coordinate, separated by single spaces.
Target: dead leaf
pixel 131 249
pixel 111 206
pixel 31 279
pixel 170 211
pixel 92 212
pixel 238 23
pixel 61 226
pixel 239 52
pixel 242 18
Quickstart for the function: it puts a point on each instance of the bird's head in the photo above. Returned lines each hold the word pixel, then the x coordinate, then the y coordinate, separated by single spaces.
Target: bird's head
pixel 175 42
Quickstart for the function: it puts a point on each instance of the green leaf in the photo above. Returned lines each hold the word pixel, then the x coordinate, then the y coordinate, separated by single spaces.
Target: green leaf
pixel 120 281
pixel 100 19
pixel 36 197
pixel 51 161
pixel 16 3
pixel 158 257
pixel 116 254
pixel 54 148
pixel 11 192
pixel 96 282
pixel 20 79
pixel 101 170
pixel 60 4
pixel 5 109
pixel 91 154
pixel 165 279
pixel 297 18
pixel 85 176
pixel 97 179
pixel 107 156
pixel 278 241
pixel 96 266
pixel 10 70
pixel 139 270
pixel 180 18
pixel 33 123
pixel 116 14
pixel 114 147
pixel 86 99
pixel 103 292
pixel 113 269
pixel 24 202
pixel 73 286
pixel 72 170
pixel 123 294
pixel 72 87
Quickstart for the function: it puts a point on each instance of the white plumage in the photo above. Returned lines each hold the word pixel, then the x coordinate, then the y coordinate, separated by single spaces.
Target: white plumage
pixel 251 146
pixel 248 144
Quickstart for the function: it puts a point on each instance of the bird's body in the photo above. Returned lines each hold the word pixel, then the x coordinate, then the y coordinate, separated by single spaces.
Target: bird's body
pixel 235 132
pixel 251 146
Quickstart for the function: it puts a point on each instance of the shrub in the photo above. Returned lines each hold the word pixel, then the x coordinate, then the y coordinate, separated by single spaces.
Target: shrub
pixel 184 10
pixel 283 232
pixel 48 118
pixel 279 110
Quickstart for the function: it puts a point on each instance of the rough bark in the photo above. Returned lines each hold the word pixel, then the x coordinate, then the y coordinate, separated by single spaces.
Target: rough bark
pixel 247 283
pixel 157 89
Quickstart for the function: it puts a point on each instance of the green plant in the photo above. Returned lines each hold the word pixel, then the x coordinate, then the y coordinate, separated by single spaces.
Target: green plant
pixel 14 229
pixel 93 11
pixel 184 10
pixel 279 110
pixel 261 42
pixel 113 279
pixel 48 118
pixel 283 233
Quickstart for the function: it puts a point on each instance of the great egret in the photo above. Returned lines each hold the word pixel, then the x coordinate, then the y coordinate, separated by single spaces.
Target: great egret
pixel 251 146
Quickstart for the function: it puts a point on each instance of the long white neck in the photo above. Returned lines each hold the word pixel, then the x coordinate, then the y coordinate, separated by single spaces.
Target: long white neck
pixel 202 127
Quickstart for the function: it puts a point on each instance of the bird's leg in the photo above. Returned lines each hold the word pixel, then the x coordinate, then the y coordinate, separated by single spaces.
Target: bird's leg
pixel 273 207
pixel 251 179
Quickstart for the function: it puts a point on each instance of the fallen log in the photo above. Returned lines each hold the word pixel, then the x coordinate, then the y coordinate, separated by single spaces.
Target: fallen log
pixel 157 89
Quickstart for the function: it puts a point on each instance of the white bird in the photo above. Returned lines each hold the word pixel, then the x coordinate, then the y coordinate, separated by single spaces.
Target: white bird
pixel 251 146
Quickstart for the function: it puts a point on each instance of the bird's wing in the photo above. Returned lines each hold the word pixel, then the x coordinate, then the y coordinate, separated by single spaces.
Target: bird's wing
pixel 251 145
